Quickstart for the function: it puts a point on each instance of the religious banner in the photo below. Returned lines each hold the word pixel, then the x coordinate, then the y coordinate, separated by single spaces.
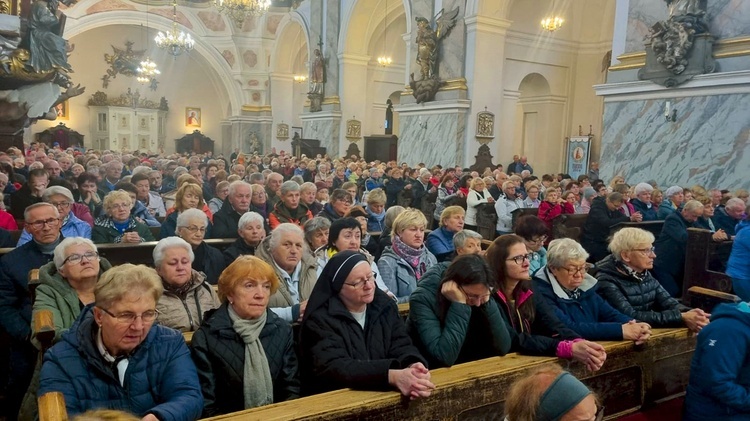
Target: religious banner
pixel 578 153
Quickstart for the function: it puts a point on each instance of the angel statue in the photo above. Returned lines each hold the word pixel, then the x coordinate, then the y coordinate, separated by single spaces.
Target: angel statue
pixel 428 40
pixel 685 7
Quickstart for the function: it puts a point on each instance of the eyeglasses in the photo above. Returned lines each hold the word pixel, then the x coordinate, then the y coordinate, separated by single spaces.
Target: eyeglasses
pixel 538 240
pixel 361 283
pixel 76 258
pixel 576 271
pixel 647 251
pixel 195 229
pixel 60 205
pixel 121 206
pixel 520 258
pixel 129 318
pixel 37 225
pixel 474 297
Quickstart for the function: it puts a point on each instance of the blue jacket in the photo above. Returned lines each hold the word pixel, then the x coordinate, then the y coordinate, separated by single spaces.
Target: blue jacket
pixel 440 243
pixel 141 211
pixel 719 386
pixel 375 221
pixel 723 221
pixel 372 184
pixel 738 266
pixel 665 209
pixel 646 209
pixel 73 227
pixel 15 303
pixel 160 379
pixel 590 316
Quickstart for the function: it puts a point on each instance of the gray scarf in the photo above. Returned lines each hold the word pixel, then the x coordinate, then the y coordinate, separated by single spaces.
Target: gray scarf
pixel 257 384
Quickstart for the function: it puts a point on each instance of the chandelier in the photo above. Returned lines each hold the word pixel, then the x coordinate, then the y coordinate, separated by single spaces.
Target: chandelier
pixel 552 23
pixel 174 40
pixel 300 78
pixel 385 60
pixel 239 10
pixel 147 71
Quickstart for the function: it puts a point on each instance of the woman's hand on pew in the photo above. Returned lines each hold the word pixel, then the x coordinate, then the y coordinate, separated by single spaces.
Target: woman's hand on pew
pixel 150 417
pixel 695 319
pixel 591 354
pixel 636 332
pixel 413 381
pixel 719 236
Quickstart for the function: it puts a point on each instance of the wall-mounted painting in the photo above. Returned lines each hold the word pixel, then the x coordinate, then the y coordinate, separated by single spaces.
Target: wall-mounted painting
pixel 192 117
pixel 63 110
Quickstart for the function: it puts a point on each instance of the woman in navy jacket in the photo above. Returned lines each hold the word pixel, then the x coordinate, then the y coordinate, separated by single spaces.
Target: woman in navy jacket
pixel 571 292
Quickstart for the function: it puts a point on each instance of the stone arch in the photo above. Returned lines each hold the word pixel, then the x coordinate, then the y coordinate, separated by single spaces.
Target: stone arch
pixel 539 121
pixel 534 84
pixel 292 29
pixel 222 75
pixel 356 31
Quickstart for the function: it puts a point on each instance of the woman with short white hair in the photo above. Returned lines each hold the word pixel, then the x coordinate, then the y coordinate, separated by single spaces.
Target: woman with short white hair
pixel 187 295
pixel 192 225
pixel 642 202
pixel 674 197
pixel 567 287
pixel 251 230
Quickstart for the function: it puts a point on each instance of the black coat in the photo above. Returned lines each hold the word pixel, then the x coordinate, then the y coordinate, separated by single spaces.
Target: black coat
pixel 225 222
pixel 671 247
pixel 336 353
pixel 219 355
pixel 20 200
pixel 210 261
pixel 237 249
pixel 534 337
pixel 5 239
pixel 646 301
pixel 419 191
pixel 392 188
pixel 596 229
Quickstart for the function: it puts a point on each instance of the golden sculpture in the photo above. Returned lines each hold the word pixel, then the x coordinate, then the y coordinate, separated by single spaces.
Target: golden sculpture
pixel 485 124
pixel 123 62
pixel 353 130
pixel 428 48
pixel 282 131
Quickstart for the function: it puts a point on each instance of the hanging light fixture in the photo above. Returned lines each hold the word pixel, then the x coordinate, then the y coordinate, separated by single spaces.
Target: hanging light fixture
pixel 553 22
pixel 300 78
pixel 174 40
pixel 239 10
pixel 385 60
pixel 147 70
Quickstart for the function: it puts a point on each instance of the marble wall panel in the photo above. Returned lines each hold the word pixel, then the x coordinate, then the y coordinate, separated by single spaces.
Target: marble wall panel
pixel 709 144
pixel 453 48
pixel 327 131
pixel 727 19
pixel 432 139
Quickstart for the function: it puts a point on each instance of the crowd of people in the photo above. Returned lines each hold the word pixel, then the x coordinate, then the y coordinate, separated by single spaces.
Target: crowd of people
pixel 331 245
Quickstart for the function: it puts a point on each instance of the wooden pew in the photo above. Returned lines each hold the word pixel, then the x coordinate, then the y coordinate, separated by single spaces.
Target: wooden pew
pixel 654 227
pixel 142 253
pixel 568 226
pixel 700 256
pixel 706 299
pixel 522 212
pixel 52 407
pixel 632 377
pixel 15 235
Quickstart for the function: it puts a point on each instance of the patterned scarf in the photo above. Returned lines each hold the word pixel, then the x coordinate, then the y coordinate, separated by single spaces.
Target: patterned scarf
pixel 630 271
pixel 410 254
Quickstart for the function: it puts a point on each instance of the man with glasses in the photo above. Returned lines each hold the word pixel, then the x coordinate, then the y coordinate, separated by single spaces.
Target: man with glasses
pixel 71 226
pixel 43 223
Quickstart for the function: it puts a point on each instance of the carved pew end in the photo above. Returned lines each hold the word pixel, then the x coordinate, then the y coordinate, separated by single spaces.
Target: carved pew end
pixel 52 407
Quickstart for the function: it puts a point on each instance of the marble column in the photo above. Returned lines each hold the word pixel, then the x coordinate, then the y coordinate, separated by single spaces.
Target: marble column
pixel 433 133
pixel 282 102
pixel 256 120
pixel 485 57
pixel 326 127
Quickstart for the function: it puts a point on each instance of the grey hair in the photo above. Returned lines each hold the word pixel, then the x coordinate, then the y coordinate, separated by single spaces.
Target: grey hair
pixel 282 229
pixel 55 190
pixel 255 177
pixel 141 169
pixel 563 250
pixel 643 187
pixel 29 208
pixel 298 179
pixel 289 186
pixel 239 183
pixel 249 217
pixel 59 256
pixel 167 243
pixel 179 171
pixel 627 238
pixel 459 239
pixel 735 202
pixel 315 224
pixel 308 186
pixel 391 214
pixel 184 218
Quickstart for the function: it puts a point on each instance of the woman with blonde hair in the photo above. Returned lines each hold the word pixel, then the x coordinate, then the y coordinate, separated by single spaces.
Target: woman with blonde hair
pixel 117 225
pixel 478 194
pixel 189 196
pixel 243 351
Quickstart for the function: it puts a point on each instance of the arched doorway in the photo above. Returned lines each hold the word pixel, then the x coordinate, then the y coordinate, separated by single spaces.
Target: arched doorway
pixel 538 125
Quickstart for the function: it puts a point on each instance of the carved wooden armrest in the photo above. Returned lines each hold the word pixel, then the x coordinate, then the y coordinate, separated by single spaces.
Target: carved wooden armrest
pixel 44 328
pixel 52 407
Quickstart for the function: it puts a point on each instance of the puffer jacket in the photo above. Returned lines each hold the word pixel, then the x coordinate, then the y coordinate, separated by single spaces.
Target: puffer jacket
pixel 337 353
pixel 219 355
pixel 237 249
pixel 467 334
pixel 646 301
pixel 398 275
pixel 282 214
pixel 307 278
pixel 186 313
pixel 720 371
pixel 589 315
pixel 105 232
pixel 160 379
pixel 738 266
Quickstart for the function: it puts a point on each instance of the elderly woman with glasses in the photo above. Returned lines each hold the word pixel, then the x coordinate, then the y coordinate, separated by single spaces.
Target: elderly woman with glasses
pixel 192 226
pixel 338 205
pixel 626 282
pixel 115 356
pixel 316 232
pixel 571 292
pixel 117 225
pixel 187 293
pixel 535 329
pixel 251 229
pixel 62 199
pixel 352 335
pixel 451 317
pixel 244 352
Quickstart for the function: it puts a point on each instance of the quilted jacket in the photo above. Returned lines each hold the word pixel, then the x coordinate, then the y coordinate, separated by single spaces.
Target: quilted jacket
pixel 337 353
pixel 186 314
pixel 646 301
pixel 160 378
pixel 219 355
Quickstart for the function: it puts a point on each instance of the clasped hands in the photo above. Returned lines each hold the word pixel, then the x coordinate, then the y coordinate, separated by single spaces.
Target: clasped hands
pixel 413 381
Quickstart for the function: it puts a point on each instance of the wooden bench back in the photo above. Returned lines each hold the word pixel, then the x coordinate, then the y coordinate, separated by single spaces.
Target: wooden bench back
pixel 142 253
pixel 568 226
pixel 654 227
pixel 701 251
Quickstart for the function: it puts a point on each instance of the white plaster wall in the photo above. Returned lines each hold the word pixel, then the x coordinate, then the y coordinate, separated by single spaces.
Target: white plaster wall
pixel 184 83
